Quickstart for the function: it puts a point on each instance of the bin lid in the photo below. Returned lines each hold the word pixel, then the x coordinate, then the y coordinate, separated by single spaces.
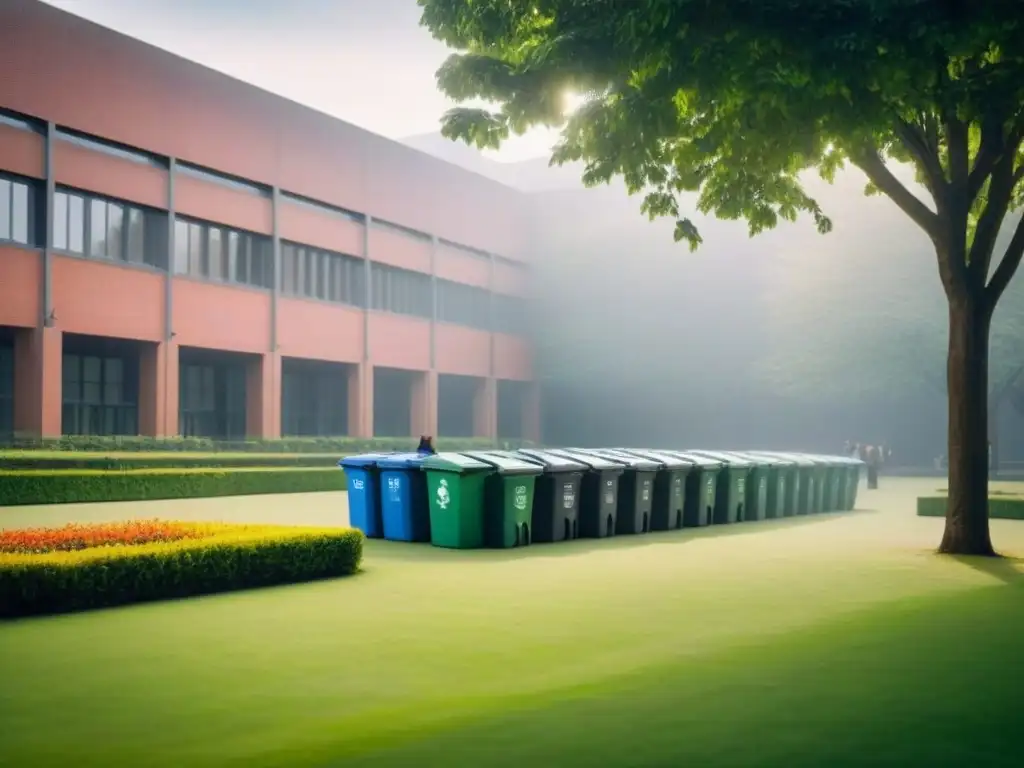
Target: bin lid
pixel 507 463
pixel 402 461
pixel 667 460
pixel 552 462
pixel 362 460
pixel 726 458
pixel 455 462
pixel 697 460
pixel 800 459
pixel 595 463
pixel 636 463
pixel 769 459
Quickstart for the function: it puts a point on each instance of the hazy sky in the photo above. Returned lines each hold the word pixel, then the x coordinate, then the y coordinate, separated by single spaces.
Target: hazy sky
pixel 364 61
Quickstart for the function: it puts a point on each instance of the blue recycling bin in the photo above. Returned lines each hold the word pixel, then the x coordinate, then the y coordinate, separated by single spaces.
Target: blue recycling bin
pixel 363 478
pixel 403 497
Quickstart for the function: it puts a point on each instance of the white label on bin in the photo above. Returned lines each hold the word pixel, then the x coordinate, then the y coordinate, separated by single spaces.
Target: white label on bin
pixel 646 493
pixel 395 488
pixel 741 485
pixel 358 485
pixel 520 500
pixel 568 496
pixel 443 497
pixel 763 485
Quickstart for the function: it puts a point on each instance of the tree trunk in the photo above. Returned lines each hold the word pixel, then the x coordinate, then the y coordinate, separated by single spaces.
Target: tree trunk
pixel 967 531
pixel 993 437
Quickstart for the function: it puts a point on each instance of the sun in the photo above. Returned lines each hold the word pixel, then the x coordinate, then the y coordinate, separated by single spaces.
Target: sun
pixel 572 101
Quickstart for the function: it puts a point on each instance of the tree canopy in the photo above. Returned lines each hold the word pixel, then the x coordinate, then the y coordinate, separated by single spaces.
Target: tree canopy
pixel 727 104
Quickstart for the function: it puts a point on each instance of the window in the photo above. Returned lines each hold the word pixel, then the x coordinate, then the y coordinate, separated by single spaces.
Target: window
pixel 219 178
pixel 319 274
pixel 401 291
pixel 510 314
pixel 99 395
pixel 107 147
pixel 218 253
pixel 106 229
pixel 212 400
pixel 6 388
pixel 463 305
pixel 17 210
pixel 330 210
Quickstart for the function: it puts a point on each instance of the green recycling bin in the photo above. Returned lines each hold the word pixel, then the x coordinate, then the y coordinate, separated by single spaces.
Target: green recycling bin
pixel 455 492
pixel 835 476
pixel 508 498
pixel 783 482
pixel 758 484
pixel 813 479
pixel 731 497
pixel 701 489
pixel 851 471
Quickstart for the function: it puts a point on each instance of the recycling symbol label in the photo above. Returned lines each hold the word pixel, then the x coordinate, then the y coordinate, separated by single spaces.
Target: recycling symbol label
pixel 520 500
pixel 444 498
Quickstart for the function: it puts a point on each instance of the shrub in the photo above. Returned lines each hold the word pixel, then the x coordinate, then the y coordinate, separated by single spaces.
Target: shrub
pixel 334 445
pixel 75 536
pixel 70 486
pixel 1000 506
pixel 231 558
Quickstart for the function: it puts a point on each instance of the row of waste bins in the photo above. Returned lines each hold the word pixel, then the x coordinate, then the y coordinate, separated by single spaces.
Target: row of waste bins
pixel 515 498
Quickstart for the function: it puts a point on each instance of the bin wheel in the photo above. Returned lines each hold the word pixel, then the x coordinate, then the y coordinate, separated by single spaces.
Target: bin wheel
pixel 525 535
pixel 609 526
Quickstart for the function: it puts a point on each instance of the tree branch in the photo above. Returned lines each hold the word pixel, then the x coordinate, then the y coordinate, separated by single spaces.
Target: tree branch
pixel 869 161
pixel 957 141
pixel 915 140
pixel 1000 193
pixel 992 145
pixel 1007 266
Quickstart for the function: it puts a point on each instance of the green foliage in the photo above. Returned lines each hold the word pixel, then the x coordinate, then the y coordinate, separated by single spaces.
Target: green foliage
pixel 999 506
pixel 342 446
pixel 725 106
pixel 81 485
pixel 109 576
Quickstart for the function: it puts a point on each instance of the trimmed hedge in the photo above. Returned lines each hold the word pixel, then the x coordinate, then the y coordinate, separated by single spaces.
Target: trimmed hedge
pixel 1003 507
pixel 72 486
pixel 336 445
pixel 242 558
pixel 159 460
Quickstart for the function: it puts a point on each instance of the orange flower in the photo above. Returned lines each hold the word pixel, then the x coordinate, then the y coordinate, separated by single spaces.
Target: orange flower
pixel 76 536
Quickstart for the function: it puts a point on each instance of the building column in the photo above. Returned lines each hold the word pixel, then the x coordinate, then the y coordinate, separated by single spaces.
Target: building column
pixel 360 400
pixel 532 413
pixel 424 403
pixel 485 409
pixel 38 355
pixel 158 390
pixel 263 397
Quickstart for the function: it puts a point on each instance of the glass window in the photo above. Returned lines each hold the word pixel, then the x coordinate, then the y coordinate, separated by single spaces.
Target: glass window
pixel 215 251
pixel 19 213
pixel 113 381
pixel 136 240
pixel 195 250
pixel 181 231
pixel 71 374
pixel 92 373
pixel 287 282
pixel 60 219
pixel 312 273
pixel 5 209
pixel 115 230
pixel 300 271
pixel 232 258
pixel 76 224
pixel 97 228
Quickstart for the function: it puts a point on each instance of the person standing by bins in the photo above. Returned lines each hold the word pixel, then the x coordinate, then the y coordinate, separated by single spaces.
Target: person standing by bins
pixel 426 446
pixel 873 458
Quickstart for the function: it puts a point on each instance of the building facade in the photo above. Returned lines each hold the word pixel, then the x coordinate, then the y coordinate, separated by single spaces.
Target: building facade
pixel 184 254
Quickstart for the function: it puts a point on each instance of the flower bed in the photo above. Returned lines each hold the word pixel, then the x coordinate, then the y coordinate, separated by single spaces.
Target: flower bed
pixel 92 566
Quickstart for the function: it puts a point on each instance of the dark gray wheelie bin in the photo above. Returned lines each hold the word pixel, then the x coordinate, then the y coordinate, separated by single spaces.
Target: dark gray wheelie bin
pixel 808 491
pixel 758 481
pixel 599 493
pixel 556 497
pixel 669 507
pixel 783 480
pixel 731 497
pixel 701 489
pixel 834 480
pixel 854 468
pixel 636 490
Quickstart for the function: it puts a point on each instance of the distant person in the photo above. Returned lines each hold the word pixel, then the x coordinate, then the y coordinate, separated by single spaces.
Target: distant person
pixel 426 446
pixel 873 459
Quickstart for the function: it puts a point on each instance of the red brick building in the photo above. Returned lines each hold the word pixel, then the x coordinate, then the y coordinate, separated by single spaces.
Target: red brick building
pixel 182 253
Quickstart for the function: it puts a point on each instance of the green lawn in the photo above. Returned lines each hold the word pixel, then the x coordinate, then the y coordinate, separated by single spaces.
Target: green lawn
pixel 830 641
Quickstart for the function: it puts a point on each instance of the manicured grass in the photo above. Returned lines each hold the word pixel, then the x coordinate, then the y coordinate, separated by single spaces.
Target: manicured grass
pixel 837 640
pixel 1005 501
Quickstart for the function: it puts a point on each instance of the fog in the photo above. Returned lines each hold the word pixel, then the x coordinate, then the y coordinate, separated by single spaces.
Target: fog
pixel 791 339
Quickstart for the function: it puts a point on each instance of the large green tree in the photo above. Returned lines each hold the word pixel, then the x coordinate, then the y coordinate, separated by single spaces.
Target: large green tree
pixel 724 104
